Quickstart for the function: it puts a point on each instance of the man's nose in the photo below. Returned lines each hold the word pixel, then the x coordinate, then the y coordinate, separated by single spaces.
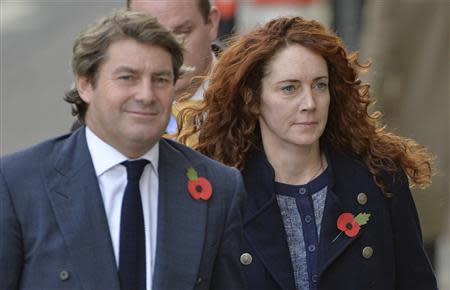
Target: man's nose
pixel 146 92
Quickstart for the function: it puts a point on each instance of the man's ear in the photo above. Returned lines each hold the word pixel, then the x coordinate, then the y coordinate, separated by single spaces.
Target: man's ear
pixel 213 22
pixel 84 88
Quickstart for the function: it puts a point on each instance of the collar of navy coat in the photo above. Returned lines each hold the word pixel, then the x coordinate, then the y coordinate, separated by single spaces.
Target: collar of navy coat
pixel 263 224
pixel 76 200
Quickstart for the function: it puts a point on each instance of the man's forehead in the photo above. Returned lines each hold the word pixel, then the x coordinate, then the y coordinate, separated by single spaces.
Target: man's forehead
pixel 168 12
pixel 134 53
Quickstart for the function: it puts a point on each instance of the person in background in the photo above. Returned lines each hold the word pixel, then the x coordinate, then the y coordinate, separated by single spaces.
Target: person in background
pixel 328 200
pixel 113 205
pixel 195 23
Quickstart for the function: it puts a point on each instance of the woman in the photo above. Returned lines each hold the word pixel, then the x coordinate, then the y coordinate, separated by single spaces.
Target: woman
pixel 329 205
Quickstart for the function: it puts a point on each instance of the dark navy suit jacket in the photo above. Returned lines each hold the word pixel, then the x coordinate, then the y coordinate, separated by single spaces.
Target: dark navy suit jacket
pixel 393 232
pixel 54 232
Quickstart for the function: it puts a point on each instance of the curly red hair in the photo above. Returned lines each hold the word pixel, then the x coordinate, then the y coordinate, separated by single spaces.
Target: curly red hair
pixel 227 123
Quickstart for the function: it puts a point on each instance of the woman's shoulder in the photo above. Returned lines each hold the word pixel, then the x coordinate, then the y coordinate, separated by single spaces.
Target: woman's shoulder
pixel 351 168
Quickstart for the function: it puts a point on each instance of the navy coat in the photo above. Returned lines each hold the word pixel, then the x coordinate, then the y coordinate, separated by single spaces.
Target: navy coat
pixel 393 232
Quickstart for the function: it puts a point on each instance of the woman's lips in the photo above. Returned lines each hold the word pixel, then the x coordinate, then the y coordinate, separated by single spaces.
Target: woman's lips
pixel 306 123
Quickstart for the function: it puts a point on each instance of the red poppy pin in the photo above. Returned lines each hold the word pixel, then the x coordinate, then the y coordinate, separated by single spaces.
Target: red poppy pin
pixel 198 187
pixel 351 225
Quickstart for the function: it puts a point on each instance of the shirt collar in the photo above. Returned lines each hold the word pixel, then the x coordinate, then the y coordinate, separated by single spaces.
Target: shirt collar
pixel 198 96
pixel 104 156
pixel 199 93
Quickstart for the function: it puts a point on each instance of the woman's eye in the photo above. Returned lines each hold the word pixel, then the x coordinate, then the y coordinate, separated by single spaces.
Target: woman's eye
pixel 321 86
pixel 288 88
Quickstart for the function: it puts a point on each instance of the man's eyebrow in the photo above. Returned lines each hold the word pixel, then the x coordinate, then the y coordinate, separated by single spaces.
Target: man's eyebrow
pixel 124 68
pixel 182 25
pixel 163 73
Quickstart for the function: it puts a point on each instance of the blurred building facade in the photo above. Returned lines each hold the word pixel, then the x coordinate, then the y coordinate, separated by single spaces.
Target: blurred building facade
pixel 408 41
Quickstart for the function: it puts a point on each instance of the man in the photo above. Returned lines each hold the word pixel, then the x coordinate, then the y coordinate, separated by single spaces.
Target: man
pixel 113 205
pixel 195 23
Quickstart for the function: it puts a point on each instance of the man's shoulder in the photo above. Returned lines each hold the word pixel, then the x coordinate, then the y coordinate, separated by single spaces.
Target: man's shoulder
pixel 30 156
pixel 196 157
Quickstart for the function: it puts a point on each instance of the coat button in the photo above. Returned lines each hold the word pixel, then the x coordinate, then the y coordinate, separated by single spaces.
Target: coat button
pixel 308 219
pixel 246 259
pixel 199 280
pixel 64 275
pixel 367 252
pixel 362 198
pixel 315 278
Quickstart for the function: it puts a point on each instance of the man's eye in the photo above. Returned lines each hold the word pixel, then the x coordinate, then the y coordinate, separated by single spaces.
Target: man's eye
pixel 126 77
pixel 162 80
pixel 183 31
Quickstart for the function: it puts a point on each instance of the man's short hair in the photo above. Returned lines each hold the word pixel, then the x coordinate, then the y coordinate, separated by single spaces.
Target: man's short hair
pixel 91 46
pixel 203 5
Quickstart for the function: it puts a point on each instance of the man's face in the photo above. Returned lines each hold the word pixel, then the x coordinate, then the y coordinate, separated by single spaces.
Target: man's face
pixel 129 105
pixel 184 19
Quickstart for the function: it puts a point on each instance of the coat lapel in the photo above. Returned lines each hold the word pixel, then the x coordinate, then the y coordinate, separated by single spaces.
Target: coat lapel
pixel 263 225
pixel 181 223
pixel 266 235
pixel 334 206
pixel 76 200
pixel 330 250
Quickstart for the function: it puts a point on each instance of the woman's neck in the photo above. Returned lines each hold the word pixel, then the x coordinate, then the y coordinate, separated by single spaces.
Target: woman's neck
pixel 296 165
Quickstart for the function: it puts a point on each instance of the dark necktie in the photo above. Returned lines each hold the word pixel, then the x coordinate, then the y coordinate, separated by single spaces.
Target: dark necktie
pixel 132 235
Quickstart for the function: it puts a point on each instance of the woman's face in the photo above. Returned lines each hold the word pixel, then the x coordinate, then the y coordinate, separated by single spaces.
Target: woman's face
pixel 294 99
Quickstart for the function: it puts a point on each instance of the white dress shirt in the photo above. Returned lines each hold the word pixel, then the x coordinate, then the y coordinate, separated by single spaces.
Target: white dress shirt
pixel 112 179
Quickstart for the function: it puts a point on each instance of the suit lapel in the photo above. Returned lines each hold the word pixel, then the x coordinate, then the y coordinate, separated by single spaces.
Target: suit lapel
pixel 80 214
pixel 181 223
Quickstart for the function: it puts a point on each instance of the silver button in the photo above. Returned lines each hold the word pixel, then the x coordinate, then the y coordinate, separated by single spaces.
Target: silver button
pixel 64 275
pixel 311 248
pixel 246 259
pixel 362 198
pixel 199 280
pixel 302 191
pixel 367 252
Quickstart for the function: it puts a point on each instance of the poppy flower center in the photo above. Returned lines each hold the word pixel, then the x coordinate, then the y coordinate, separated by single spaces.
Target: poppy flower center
pixel 198 188
pixel 349 226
